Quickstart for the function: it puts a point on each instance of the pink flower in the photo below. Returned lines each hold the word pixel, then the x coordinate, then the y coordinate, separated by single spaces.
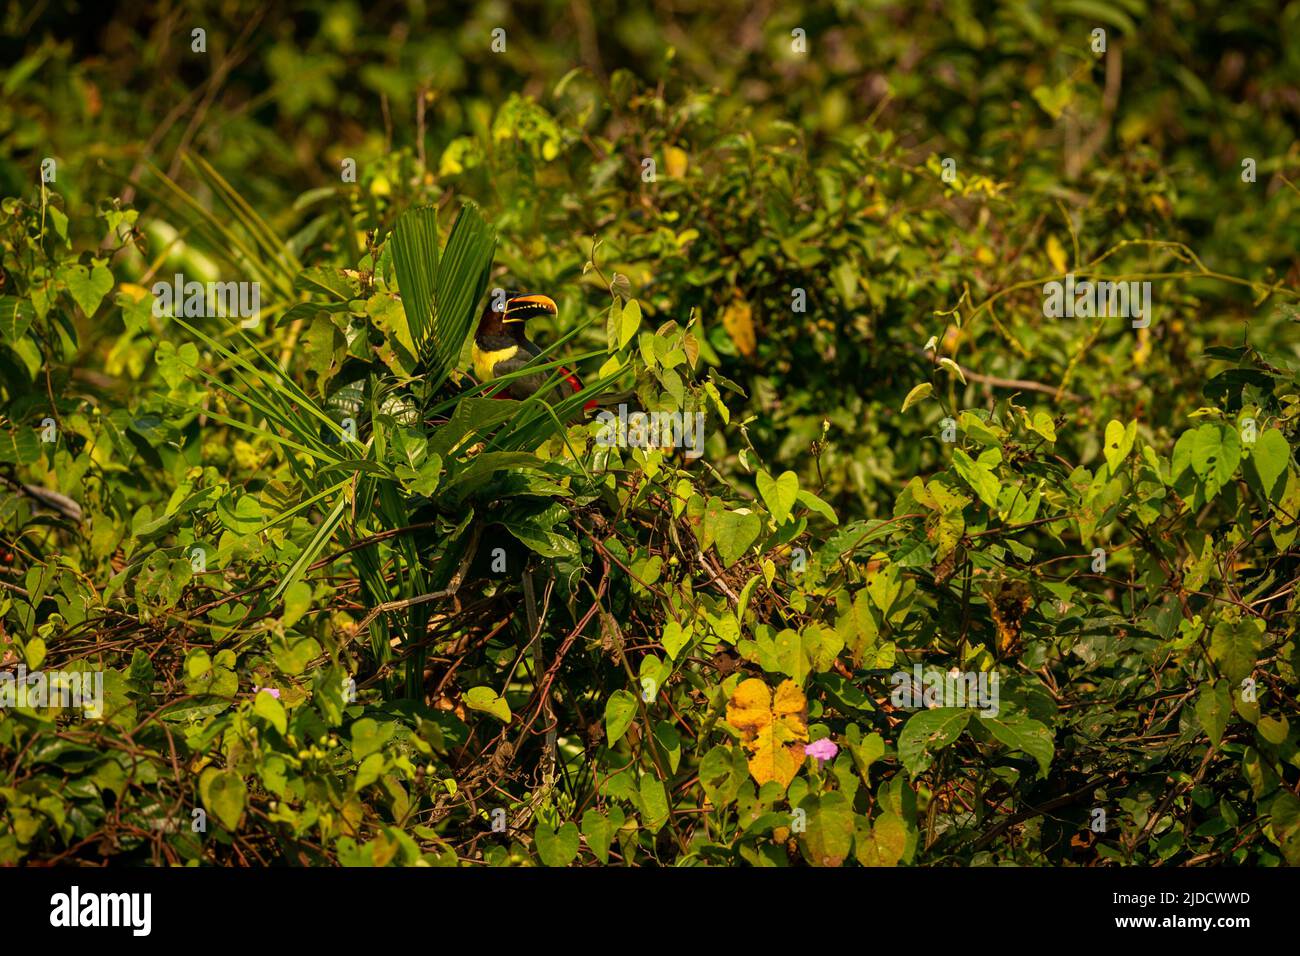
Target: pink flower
pixel 823 749
pixel 268 690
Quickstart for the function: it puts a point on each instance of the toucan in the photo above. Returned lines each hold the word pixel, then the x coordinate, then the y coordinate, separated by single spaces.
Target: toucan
pixel 501 346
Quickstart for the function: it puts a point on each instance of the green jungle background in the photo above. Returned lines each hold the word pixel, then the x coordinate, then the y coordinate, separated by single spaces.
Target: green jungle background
pixel 348 608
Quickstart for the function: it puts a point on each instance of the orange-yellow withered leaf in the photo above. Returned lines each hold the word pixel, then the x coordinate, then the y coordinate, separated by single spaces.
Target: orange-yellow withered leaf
pixel 773 731
pixel 738 320
pixel 676 162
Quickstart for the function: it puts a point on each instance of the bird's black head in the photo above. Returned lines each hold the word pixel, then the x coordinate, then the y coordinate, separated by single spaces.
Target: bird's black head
pixel 506 312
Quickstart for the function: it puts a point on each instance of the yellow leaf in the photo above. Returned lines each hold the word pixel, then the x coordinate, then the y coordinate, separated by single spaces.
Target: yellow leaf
pixel 1056 255
pixel 917 394
pixel 1143 351
pixel 773 731
pixel 738 320
pixel 954 368
pixel 675 162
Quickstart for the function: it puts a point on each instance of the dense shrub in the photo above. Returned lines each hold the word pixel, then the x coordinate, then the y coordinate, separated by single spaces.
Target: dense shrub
pixel 476 634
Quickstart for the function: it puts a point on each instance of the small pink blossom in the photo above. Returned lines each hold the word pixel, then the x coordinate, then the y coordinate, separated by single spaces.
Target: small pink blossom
pixel 268 690
pixel 823 749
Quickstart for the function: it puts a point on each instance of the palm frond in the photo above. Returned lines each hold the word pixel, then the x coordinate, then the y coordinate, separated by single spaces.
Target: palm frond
pixel 439 291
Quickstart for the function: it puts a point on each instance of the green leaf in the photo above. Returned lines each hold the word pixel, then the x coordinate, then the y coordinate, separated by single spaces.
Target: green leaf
pixel 920 393
pixel 1119 442
pixel 223 792
pixel 297 601
pixel 779 494
pixel 630 322
pixel 620 710
pixel 547 543
pixel 324 532
pixel 1274 729
pixel 19 446
pixel 415 259
pixel 296 654
pixel 870 749
pixel 882 844
pixel 734 533
pixel 1101 11
pixel 557 848
pixel 986 433
pixel 371 769
pixel 980 478
pixel 1270 455
pixel 820 646
pixel 242 515
pixel 1285 822
pixel 674 639
pixel 1043 424
pixel 953 369
pixel 653 802
pixel 722 772
pixel 1026 735
pixel 1214 709
pixel 16 316
pixel 599 830
pixel 439 292
pixel 87 286
pixel 829 834
pixel 387 314
pixel 1053 99
pixel 489 701
pixel 462 280
pixel 884 585
pixel 929 731
pixel 817 506
pixel 369 735
pixel 1215 454
pixel 34 651
pixel 197 663
pixel 271 710
pixel 327 281
pixel 1235 646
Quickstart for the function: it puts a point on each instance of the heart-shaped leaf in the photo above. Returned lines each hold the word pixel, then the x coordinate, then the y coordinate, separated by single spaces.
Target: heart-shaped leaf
pixel 87 286
pixel 734 533
pixel 1270 455
pixel 557 848
pixel 779 494
pixel 1119 442
pixel 620 710
pixel 223 792
pixel 674 638
pixel 488 701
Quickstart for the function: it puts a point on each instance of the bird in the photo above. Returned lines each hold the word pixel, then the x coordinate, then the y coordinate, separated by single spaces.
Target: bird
pixel 502 346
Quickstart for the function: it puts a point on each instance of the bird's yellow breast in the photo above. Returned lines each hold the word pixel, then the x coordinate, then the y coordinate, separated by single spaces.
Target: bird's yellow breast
pixel 485 361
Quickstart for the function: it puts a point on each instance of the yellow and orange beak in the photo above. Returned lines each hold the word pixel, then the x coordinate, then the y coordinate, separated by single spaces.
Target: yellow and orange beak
pixel 521 308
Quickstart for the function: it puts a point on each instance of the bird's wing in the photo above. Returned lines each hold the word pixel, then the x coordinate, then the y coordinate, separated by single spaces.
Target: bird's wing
pixel 570 376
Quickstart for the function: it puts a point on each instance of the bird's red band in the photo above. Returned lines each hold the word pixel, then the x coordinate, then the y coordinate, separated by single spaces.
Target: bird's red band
pixel 576 384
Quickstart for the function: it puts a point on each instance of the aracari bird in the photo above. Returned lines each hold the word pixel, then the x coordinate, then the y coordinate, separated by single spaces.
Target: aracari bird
pixel 501 345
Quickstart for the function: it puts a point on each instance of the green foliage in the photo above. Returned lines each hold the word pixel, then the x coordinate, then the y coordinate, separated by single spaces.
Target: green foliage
pixel 351 606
